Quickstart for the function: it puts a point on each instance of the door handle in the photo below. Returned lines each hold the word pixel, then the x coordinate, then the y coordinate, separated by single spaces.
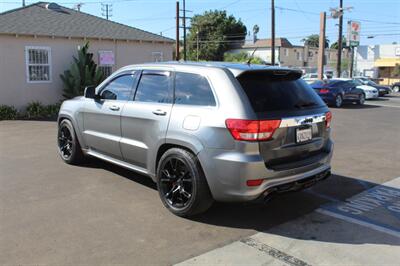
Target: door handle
pixel 159 112
pixel 114 108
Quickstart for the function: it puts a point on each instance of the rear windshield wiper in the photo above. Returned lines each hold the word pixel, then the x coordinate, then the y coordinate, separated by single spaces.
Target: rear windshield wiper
pixel 304 104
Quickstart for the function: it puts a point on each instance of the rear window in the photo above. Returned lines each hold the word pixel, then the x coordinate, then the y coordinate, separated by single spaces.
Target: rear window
pixel 275 91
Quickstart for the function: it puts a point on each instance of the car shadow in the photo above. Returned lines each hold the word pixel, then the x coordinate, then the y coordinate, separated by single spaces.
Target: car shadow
pixel 380 99
pixel 357 106
pixel 280 209
pixel 91 162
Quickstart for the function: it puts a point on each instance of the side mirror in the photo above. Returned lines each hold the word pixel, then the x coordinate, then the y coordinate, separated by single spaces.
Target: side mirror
pixel 90 92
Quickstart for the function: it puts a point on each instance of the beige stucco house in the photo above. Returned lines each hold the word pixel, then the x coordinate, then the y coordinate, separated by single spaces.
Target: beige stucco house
pixel 37 43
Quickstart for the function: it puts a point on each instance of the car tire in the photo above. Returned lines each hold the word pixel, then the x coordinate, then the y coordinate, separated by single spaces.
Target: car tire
pixel 361 101
pixel 338 101
pixel 181 183
pixel 68 145
pixel 396 88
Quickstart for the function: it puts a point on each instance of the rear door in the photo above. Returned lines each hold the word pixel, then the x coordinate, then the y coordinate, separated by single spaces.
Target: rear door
pixel 102 117
pixel 302 137
pixel 351 91
pixel 144 119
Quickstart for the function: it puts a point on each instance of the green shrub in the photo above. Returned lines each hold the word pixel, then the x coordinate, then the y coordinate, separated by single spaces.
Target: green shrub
pixel 35 110
pixel 8 112
pixel 52 110
pixel 242 57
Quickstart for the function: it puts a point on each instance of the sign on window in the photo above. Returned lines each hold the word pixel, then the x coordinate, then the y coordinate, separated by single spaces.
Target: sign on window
pixel 106 58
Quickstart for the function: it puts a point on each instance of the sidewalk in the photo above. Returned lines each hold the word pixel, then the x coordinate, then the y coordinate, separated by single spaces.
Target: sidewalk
pixel 321 238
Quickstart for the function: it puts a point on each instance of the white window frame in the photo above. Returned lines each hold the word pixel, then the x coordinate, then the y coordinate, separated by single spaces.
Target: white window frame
pixel 27 64
pixel 157 53
pixel 286 52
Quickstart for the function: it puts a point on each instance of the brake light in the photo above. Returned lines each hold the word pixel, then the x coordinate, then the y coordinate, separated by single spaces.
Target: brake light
pixel 252 130
pixel 323 91
pixel 328 119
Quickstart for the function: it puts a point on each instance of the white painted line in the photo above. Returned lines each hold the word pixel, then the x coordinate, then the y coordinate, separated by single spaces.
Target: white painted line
pixel 360 222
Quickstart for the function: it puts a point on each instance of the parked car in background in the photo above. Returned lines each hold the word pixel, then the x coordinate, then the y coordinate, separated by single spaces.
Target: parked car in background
pixel 336 92
pixel 311 77
pixel 396 87
pixel 382 90
pixel 369 91
pixel 203 131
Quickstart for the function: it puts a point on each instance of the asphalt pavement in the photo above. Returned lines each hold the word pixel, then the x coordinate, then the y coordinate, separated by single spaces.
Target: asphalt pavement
pixel 54 213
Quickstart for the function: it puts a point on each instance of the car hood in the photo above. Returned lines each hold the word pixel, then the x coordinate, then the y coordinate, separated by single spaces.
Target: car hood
pixel 382 87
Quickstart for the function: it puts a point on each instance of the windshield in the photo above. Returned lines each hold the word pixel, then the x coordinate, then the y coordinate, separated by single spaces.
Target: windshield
pixel 270 92
pixel 371 83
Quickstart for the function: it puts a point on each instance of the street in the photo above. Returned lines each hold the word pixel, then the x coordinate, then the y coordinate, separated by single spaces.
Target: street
pixel 98 213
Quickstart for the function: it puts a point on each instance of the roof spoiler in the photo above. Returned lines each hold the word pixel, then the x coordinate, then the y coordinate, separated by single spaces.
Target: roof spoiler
pixel 278 73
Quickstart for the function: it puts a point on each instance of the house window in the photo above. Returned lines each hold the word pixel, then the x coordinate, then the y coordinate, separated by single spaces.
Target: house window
pixel 157 56
pixel 299 56
pixel 286 52
pixel 106 70
pixel 38 64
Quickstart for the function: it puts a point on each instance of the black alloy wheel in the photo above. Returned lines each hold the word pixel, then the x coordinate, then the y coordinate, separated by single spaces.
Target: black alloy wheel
pixel 181 183
pixel 176 183
pixel 68 145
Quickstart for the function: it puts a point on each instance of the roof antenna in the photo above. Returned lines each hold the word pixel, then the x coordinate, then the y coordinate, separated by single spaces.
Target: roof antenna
pixel 251 56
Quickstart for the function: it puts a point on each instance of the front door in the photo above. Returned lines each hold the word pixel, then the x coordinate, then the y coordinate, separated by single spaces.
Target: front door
pixel 102 117
pixel 144 119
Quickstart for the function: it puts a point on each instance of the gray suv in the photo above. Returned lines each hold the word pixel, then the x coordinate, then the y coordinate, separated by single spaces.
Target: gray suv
pixel 203 131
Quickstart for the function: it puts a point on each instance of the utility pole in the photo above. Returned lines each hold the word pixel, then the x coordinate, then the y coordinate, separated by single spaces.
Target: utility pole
pixel 184 30
pixel 23 2
pixel 177 31
pixel 352 61
pixel 321 49
pixel 272 32
pixel 339 55
pixel 197 42
pixel 106 10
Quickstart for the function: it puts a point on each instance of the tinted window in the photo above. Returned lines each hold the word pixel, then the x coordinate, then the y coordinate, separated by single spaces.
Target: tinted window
pixel 269 91
pixel 154 87
pixel 193 89
pixel 119 88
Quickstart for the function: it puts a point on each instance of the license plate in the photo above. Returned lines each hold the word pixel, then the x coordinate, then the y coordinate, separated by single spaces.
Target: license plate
pixel 303 135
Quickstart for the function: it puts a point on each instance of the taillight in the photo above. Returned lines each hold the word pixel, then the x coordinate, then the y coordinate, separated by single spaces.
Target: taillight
pixel 328 119
pixel 252 130
pixel 323 91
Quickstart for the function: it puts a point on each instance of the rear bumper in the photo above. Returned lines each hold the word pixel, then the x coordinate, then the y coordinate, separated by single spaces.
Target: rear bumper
pixel 228 171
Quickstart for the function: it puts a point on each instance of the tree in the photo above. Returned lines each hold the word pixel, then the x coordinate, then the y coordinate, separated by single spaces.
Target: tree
pixel 242 57
pixel 82 73
pixel 313 41
pixel 396 71
pixel 335 44
pixel 217 33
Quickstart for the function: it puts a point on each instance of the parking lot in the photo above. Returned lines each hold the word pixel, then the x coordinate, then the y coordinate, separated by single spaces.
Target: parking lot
pixel 54 213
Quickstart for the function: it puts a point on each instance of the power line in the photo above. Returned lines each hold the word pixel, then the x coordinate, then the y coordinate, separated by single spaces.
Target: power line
pixel 106 10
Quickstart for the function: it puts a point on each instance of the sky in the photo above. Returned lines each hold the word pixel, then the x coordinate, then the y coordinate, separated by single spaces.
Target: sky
pixel 295 19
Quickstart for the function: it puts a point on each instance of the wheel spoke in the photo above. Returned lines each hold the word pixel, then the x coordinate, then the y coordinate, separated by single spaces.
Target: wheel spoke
pixel 185 193
pixel 176 182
